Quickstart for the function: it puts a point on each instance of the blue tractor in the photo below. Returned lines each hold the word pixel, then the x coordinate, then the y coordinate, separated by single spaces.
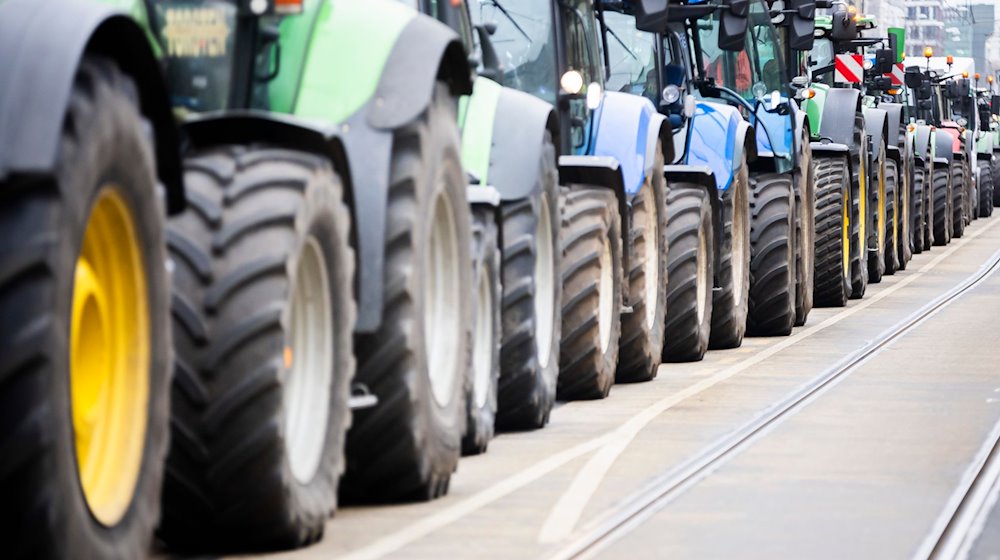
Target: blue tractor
pixel 612 147
pixel 708 205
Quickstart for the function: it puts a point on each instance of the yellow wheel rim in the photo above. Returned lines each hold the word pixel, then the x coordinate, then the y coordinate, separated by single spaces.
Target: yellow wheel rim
pixel 846 231
pixel 863 206
pixel 109 358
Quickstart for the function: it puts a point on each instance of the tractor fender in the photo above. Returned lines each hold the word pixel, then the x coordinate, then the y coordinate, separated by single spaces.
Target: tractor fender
pixel 625 125
pixel 702 178
pixel 895 131
pixel 719 140
pixel 425 51
pixel 922 137
pixel 876 122
pixel 518 142
pixel 802 128
pixel 601 171
pixel 40 50
pixel 943 152
pixel 829 148
pixel 838 112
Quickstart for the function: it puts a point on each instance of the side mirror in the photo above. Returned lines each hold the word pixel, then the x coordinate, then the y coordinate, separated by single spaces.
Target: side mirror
pixel 801 31
pixel 995 104
pixel 912 78
pixel 733 25
pixel 843 26
pixel 884 59
pixel 651 15
pixel 924 92
pixel 490 59
pixel 953 90
pixel 984 115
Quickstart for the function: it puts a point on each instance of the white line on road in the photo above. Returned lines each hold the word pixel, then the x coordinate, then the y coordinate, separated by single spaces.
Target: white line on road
pixel 566 513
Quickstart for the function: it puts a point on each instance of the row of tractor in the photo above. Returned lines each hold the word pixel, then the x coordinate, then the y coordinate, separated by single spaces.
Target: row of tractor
pixel 261 256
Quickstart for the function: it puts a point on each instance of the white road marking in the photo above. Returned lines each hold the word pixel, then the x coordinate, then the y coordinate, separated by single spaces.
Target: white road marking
pixel 395 541
pixel 567 511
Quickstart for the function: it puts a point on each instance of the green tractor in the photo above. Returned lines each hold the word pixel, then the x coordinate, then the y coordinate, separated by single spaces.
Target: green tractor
pixel 985 143
pixel 324 264
pixel 509 143
pixel 89 171
pixel 851 160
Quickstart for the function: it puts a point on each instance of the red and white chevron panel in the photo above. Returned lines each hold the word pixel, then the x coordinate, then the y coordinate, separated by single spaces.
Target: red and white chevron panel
pixel 897 74
pixel 849 68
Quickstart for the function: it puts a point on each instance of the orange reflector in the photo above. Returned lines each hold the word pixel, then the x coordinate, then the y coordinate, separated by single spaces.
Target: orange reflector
pixel 287 355
pixel 965 74
pixel 911 127
pixel 928 52
pixel 950 60
pixel 989 78
pixel 976 75
pixel 287 7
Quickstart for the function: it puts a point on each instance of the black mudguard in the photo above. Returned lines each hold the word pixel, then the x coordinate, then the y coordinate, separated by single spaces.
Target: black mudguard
pixel 425 51
pixel 517 142
pixel 922 144
pixel 895 130
pixel 40 50
pixel 836 126
pixel 876 123
pixel 601 171
pixel 943 148
pixel 704 179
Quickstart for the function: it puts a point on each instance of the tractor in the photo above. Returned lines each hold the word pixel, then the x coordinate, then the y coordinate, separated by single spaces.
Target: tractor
pixel 323 268
pixel 509 143
pixel 853 148
pixel 612 147
pixel 708 202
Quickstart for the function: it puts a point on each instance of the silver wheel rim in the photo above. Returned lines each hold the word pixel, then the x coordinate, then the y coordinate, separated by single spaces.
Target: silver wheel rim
pixel 309 360
pixel 442 324
pixel 652 272
pixel 482 349
pixel 605 305
pixel 702 280
pixel 545 284
pixel 740 238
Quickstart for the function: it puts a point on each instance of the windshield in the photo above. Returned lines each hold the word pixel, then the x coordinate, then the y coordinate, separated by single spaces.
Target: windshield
pixel 524 41
pixel 633 57
pixel 199 45
pixel 820 57
pixel 729 69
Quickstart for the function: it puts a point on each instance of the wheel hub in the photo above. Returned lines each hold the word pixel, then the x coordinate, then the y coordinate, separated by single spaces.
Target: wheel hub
pixel 109 358
pixel 309 363
pixel 545 284
pixel 442 323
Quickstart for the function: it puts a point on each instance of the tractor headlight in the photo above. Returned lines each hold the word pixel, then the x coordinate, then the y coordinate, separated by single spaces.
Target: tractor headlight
pixel 671 94
pixel 594 96
pixel 572 82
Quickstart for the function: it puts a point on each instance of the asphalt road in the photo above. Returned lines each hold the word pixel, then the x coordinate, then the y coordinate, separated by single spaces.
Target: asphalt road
pixel 853 438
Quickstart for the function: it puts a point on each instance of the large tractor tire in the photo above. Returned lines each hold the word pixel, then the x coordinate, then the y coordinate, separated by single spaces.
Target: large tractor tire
pixel 263 322
pixel 995 172
pixel 532 289
pixel 878 235
pixel 920 211
pixel 85 328
pixel 485 334
pixel 805 232
pixel 772 261
pixel 893 209
pixel 730 301
pixel 592 293
pixel 690 273
pixel 972 195
pixel 904 213
pixel 959 199
pixel 861 216
pixel 408 445
pixel 942 210
pixel 986 188
pixel 641 345
pixel 833 227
